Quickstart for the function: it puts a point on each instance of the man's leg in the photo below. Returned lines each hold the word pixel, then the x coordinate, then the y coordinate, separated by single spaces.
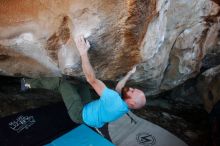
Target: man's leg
pixel 68 92
pixel 83 90
pixel 72 101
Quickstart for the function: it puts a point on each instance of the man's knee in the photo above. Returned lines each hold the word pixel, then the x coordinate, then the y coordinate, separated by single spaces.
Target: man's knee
pixel 77 117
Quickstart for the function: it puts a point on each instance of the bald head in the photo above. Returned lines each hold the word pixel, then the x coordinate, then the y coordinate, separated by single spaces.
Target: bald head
pixel 140 100
pixel 134 98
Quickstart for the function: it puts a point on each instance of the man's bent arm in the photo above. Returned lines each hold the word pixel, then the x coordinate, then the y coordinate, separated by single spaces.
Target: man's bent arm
pixel 83 47
pixel 123 81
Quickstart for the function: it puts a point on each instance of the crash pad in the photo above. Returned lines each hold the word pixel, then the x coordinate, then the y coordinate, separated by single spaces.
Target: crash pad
pixel 35 126
pixel 81 136
pixel 140 132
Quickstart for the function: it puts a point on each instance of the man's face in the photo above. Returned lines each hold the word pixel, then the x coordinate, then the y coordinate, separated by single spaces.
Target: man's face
pixel 133 92
pixel 138 98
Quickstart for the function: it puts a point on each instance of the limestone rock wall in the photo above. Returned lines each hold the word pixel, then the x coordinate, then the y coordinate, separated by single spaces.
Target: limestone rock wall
pixel 167 39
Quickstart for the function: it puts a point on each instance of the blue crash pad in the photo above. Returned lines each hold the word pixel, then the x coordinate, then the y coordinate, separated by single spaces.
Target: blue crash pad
pixel 81 136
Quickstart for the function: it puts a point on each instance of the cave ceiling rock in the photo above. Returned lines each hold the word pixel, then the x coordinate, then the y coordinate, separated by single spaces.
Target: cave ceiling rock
pixel 167 39
pixel 174 45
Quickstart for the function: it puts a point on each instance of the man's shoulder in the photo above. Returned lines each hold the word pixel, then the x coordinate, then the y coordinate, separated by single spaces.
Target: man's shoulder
pixel 109 92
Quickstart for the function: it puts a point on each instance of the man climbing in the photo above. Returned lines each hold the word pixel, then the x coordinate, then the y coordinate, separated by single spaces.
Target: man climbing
pixel 110 106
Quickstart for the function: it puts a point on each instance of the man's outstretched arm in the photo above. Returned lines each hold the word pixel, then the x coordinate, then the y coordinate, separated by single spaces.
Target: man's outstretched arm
pixel 123 81
pixel 83 47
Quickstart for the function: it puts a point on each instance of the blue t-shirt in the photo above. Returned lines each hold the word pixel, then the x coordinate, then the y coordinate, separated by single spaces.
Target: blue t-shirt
pixel 108 108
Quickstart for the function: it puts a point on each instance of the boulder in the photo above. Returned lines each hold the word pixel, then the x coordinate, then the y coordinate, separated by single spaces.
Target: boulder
pixel 166 39
pixel 208 87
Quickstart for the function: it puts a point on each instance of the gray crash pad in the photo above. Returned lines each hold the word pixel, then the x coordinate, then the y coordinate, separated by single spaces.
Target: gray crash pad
pixel 123 132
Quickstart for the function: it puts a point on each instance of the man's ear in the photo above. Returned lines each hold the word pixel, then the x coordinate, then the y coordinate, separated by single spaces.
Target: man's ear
pixel 130 103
